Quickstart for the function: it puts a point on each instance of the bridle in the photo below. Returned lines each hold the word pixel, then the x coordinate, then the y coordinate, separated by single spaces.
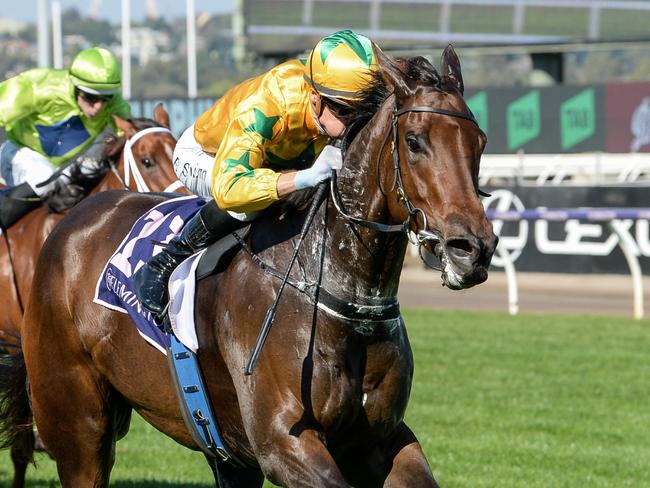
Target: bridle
pixel 130 166
pixel 366 313
pixel 423 234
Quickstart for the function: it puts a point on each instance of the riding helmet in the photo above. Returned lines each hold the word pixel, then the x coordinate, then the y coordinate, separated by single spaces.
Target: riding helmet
pixel 95 70
pixel 341 65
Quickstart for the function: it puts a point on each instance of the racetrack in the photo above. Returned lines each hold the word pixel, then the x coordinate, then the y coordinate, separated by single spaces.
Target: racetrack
pixel 538 292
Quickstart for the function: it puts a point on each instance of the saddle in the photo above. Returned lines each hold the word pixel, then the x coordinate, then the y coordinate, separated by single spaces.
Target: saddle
pixel 218 256
pixel 194 403
pixel 114 290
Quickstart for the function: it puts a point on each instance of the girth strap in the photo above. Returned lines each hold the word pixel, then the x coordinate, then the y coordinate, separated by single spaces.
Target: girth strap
pixel 195 405
pixel 360 312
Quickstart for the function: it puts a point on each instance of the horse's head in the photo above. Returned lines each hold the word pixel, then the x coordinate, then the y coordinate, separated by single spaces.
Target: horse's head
pixel 430 170
pixel 143 155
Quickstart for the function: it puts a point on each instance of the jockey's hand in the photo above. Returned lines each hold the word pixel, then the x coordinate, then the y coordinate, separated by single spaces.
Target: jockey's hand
pixel 330 158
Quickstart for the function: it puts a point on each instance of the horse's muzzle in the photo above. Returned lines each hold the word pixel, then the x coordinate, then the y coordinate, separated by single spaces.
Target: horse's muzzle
pixel 465 260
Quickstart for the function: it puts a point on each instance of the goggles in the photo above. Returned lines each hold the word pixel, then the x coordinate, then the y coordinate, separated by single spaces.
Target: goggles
pixel 340 108
pixel 93 98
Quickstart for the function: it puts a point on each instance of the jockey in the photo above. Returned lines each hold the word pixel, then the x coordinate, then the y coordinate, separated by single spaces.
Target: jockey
pixel 51 116
pixel 264 139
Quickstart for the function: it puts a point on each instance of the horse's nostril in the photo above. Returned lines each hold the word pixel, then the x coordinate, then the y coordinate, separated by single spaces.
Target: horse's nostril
pixel 460 247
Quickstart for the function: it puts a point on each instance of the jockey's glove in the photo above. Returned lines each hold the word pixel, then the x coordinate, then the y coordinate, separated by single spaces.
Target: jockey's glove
pixel 330 158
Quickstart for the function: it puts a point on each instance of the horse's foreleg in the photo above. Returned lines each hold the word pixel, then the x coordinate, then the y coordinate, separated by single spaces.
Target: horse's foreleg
pixel 301 461
pixel 395 463
pixel 408 465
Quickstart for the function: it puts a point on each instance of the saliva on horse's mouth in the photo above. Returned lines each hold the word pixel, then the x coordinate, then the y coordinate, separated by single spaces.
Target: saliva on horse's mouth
pixel 432 259
pixel 438 260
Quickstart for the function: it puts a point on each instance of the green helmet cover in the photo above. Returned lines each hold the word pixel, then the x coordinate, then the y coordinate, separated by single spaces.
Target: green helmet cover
pixel 95 70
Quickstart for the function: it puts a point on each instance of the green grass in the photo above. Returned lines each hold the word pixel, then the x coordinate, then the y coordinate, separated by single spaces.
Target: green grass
pixel 532 401
pixel 527 401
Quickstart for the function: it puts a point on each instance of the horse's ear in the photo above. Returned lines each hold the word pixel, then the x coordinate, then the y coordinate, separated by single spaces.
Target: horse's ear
pixel 125 126
pixel 161 116
pixel 451 68
pixel 393 77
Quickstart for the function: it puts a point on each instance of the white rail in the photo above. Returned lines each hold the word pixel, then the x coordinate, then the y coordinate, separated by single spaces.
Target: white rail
pixel 605 215
pixel 444 31
pixel 560 169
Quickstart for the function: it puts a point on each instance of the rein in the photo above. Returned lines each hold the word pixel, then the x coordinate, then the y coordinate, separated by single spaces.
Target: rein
pixel 319 196
pixel 130 166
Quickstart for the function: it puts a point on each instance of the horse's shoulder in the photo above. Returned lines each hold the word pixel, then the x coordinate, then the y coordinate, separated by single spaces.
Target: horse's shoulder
pixel 275 227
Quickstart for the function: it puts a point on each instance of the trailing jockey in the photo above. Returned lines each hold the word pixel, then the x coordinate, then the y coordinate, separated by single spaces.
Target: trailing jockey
pixel 52 116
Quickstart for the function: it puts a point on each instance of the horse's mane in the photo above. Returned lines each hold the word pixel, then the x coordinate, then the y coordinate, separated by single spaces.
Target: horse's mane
pixel 417 70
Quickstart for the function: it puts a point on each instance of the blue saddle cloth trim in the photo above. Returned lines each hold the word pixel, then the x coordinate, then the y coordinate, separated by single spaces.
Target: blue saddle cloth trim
pixel 195 406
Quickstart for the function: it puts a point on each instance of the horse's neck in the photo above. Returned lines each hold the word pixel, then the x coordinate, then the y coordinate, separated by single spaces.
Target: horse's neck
pixel 362 262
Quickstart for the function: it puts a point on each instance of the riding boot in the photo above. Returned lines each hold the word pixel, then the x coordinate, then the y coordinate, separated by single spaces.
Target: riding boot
pixel 206 227
pixel 15 202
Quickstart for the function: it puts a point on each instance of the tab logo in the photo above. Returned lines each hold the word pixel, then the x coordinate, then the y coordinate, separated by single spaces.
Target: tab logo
pixel 578 118
pixel 523 120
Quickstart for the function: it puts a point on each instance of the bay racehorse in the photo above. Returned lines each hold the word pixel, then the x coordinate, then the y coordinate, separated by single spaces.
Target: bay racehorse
pixel 325 405
pixel 140 160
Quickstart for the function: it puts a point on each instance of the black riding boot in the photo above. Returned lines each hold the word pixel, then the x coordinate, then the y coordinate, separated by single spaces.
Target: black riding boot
pixel 209 225
pixel 15 202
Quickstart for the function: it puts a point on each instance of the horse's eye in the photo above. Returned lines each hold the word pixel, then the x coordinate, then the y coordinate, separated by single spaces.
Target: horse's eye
pixel 413 143
pixel 146 162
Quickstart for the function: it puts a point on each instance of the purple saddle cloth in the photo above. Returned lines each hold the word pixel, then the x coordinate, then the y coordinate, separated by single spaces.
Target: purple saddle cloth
pixel 114 288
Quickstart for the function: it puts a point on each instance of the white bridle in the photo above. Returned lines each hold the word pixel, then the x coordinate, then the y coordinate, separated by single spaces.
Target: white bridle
pixel 130 165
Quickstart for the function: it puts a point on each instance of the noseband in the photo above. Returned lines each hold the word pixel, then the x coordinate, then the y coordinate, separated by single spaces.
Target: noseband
pixel 424 234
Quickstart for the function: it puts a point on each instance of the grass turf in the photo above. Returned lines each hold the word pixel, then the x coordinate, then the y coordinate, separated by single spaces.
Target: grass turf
pixel 526 401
